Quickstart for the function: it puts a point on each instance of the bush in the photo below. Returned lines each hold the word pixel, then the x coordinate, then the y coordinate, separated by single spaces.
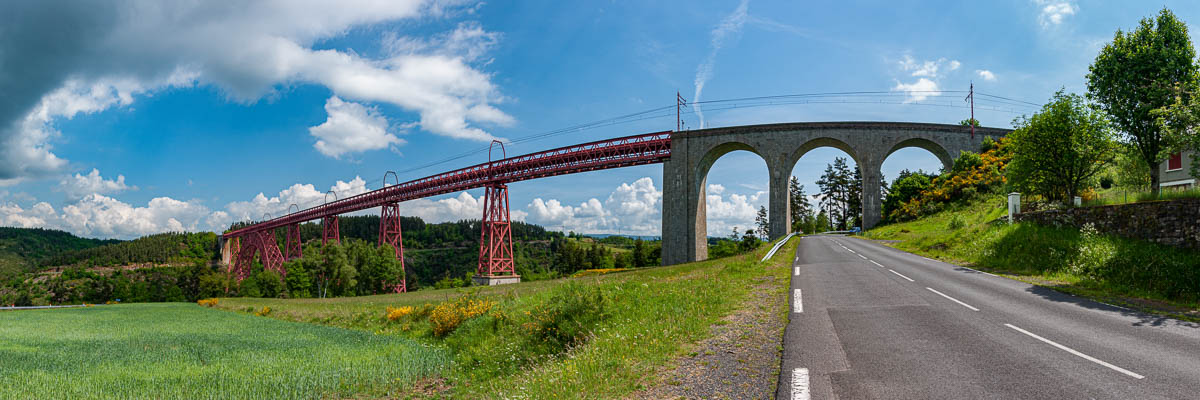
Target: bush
pixel 570 316
pixel 956 223
pixel 446 317
pixel 394 314
pixel 987 145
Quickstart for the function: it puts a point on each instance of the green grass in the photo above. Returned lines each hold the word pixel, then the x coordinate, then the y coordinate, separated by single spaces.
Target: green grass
pixel 1135 273
pixel 646 318
pixel 1121 196
pixel 174 350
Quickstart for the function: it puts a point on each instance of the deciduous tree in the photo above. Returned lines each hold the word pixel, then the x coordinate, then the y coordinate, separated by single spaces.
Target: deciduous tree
pixel 1060 148
pixel 1139 72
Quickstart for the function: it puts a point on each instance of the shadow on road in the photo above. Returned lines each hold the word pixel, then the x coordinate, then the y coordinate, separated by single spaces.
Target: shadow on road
pixel 1143 319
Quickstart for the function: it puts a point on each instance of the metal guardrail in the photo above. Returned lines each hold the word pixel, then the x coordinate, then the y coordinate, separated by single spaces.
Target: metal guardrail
pixel 777 246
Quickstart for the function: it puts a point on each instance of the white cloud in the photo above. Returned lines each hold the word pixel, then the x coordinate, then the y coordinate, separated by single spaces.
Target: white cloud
pixel 78 186
pixel 919 90
pixel 631 208
pixel 351 128
pixel 734 210
pixel 1053 12
pixel 928 74
pixel 716 189
pixel 303 195
pixel 730 26
pixel 985 74
pixel 111 52
pixel 97 215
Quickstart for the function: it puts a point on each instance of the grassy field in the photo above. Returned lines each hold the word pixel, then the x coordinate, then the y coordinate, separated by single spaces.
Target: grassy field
pixel 1122 196
pixel 1133 273
pixel 184 351
pixel 595 337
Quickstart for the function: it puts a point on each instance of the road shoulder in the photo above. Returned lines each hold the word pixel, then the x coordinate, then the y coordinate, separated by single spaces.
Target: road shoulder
pixel 741 359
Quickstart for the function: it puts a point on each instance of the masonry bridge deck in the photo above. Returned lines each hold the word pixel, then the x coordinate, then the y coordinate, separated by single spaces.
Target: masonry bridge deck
pixel 686 156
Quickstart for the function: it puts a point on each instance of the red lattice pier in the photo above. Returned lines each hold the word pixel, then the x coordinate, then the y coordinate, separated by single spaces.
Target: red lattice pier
pixel 495 245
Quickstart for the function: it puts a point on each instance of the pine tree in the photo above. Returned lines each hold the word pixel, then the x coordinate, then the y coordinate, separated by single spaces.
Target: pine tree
pixel 763 223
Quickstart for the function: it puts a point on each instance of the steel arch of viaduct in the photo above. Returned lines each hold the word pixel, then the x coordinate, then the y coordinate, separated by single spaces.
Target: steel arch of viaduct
pixel 693 153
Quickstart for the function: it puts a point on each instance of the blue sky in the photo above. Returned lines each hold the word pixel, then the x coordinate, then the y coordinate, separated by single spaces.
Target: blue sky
pixel 127 118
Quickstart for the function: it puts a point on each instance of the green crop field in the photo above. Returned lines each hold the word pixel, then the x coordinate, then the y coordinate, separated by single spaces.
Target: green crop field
pixel 181 351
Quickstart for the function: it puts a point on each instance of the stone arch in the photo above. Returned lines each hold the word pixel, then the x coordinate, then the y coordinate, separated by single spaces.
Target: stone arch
pixel 931 146
pixel 818 142
pixel 699 190
pixel 715 153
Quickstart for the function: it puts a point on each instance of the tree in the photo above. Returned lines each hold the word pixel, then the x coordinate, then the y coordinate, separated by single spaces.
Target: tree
pixel 1180 123
pixel 749 241
pixel 906 186
pixel 1060 148
pixel 763 223
pixel 801 209
pixel 638 254
pixel 1140 72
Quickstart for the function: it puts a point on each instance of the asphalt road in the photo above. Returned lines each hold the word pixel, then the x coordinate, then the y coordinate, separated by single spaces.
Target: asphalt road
pixel 873 322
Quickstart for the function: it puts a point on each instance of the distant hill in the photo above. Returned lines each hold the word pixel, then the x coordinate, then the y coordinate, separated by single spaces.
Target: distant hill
pixel 24 248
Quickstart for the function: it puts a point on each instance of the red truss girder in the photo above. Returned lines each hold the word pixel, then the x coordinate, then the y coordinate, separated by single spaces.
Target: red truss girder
pixel 495 240
pixel 613 153
pixel 329 230
pixel 292 249
pixel 262 244
pixel 389 232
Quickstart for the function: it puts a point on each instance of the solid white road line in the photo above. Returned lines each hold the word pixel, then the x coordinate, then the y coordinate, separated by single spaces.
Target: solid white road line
pixel 800 384
pixel 876 264
pixel 973 269
pixel 797 304
pixel 953 299
pixel 1073 351
pixel 900 275
pixel 796 271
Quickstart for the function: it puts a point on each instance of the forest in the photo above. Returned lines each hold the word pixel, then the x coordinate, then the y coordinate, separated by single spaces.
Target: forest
pixel 183 266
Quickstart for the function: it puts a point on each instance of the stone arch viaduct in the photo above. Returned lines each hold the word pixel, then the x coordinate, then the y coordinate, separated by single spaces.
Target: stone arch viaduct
pixel 693 153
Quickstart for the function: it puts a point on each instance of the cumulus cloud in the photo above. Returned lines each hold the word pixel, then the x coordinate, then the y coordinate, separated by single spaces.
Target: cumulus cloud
pixel 919 90
pixel 93 56
pixel 631 208
pixel 986 75
pixel 78 186
pixel 733 211
pixel 927 74
pixel 729 27
pixel 352 128
pixel 302 195
pixel 97 215
pixel 1053 12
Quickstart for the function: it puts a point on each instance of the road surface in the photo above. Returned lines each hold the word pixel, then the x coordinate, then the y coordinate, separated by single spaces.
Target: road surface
pixel 872 322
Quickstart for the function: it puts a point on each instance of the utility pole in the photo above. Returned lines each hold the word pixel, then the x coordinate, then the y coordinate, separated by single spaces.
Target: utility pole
pixel 971 97
pixel 680 102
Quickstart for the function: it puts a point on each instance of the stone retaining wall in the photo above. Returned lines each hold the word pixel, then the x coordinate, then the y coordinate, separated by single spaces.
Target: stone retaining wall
pixel 1171 222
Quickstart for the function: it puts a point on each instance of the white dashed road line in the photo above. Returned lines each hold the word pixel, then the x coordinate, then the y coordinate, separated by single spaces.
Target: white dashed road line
pixel 900 275
pixel 800 384
pixel 876 264
pixel 797 303
pixel 953 299
pixel 1073 351
pixel 862 256
pixel 796 271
